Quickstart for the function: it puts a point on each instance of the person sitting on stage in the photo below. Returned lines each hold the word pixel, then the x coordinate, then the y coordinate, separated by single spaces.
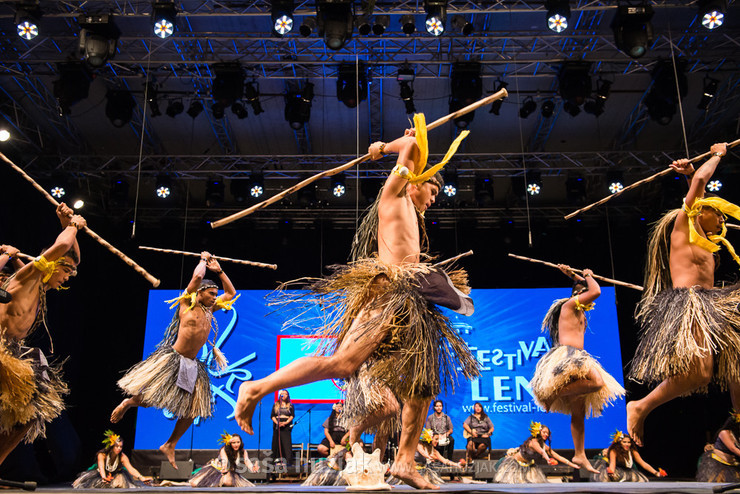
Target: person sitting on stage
pixel 520 467
pixel 568 379
pixel 32 390
pixel 441 425
pixel 334 433
pixel 226 470
pixel 172 378
pixel 618 464
pixel 113 468
pixel 722 462
pixel 478 428
pixel 282 415
pixel 690 330
pixel 428 459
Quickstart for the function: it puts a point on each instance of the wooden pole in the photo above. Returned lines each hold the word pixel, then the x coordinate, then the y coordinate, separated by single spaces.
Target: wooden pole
pixel 579 271
pixel 643 181
pixel 228 259
pixel 328 173
pixel 453 259
pixel 151 279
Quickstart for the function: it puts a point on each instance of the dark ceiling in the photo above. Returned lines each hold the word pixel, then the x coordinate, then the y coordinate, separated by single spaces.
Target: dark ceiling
pixel 510 42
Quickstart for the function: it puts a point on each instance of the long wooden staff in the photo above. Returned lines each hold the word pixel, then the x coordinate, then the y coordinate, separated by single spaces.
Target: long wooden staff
pixel 328 173
pixel 579 271
pixel 151 279
pixel 238 261
pixel 643 181
pixel 732 226
pixel 453 259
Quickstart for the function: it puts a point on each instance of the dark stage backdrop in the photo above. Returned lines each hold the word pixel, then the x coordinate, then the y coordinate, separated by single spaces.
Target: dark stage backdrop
pixel 99 324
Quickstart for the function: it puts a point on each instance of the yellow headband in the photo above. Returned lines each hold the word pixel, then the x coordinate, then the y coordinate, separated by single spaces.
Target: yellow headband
pixel 616 436
pixel 225 438
pixel 735 415
pixel 710 243
pixel 49 267
pixel 535 428
pixel 111 438
pixel 192 298
pixel 426 436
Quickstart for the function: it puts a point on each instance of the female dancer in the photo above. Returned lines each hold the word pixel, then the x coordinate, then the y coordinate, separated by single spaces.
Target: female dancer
pixel 618 464
pixel 226 470
pixel 113 468
pixel 722 463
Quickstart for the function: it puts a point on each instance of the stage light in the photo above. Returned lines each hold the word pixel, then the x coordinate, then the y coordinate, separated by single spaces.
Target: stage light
pixel 298 106
pixel 227 88
pixel 483 189
pixel 195 109
pixel 528 107
pixel 662 100
pixel 239 189
pixel 496 105
pixel 174 108
pixel 436 16
pixel 633 32
pixel 714 185
pixel 98 39
pixel 710 89
pixel 252 95
pixel 352 84
pixel 574 85
pixel 575 188
pixel 362 23
pixel 615 181
pixel 78 204
pixel 712 13
pixel 450 181
pixel 120 107
pixel 218 111
pixel 282 17
pixel 308 26
pixel 4 135
pixel 558 13
pixel 335 22
pixel 534 183
pixel 57 192
pixel 27 17
pixel 163 19
pixel 462 25
pixel 381 24
pixel 548 108
pixel 239 110
pixel 72 86
pixel 338 187
pixel 152 99
pixel 256 185
pixel 571 108
pixel 466 88
pixel 163 187
pixel 214 192
pixel 408 24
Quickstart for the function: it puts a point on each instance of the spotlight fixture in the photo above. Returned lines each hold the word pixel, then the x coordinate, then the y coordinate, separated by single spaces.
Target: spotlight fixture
pixel 362 23
pixel 558 13
pixel 256 185
pixel 575 188
pixel 408 24
pixel 547 108
pixel 596 105
pixel 72 86
pixel 57 192
pixel 239 189
pixel 152 99
pixel 483 189
pixel 335 22
pixel 574 85
pixel 98 39
pixel 27 17
pixel 662 100
pixel 534 183
pixel 163 19
pixel 252 95
pixel 308 26
pixel 450 183
pixel 195 109
pixel 528 107
pixel 78 203
pixel 338 187
pixel 710 89
pixel 633 32
pixel 352 84
pixel 163 187
pixel 712 13
pixel 405 78
pixel 462 26
pixel 466 88
pixel 298 106
pixel 120 107
pixel 227 88
pixel 381 24
pixel 496 105
pixel 214 192
pixel 571 108
pixel 615 181
pixel 436 16
pixel 714 185
pixel 174 108
pixel 282 17
pixel 239 110
pixel 4 135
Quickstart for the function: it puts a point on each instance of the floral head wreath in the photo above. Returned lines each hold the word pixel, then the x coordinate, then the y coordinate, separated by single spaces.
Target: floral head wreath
pixel 735 416
pixel 111 438
pixel 225 438
pixel 426 436
pixel 535 428
pixel 616 436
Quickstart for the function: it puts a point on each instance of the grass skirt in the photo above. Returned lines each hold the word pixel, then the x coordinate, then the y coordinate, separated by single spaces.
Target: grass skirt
pixel 428 474
pixel 713 470
pixel 91 479
pixel 31 391
pixel 564 364
pixel 155 380
pixel 510 471
pixel 621 473
pixel 366 395
pixel 684 324
pixel 210 476
pixel 327 471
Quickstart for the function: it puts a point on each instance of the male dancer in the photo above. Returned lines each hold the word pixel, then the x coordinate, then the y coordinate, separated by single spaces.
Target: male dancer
pixel 387 315
pixel 567 379
pixel 172 377
pixel 688 326
pixel 32 391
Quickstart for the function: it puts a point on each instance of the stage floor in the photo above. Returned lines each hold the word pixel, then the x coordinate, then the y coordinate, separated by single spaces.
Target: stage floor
pixel 574 487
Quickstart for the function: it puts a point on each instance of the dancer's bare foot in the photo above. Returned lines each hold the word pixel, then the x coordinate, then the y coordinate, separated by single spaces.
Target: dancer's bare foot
pixel 245 405
pixel 410 475
pixel 635 421
pixel 583 462
pixel 120 410
pixel 169 452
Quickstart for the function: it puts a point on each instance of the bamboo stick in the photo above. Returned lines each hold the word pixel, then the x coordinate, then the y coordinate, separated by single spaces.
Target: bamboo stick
pixel 228 259
pixel 643 181
pixel 453 259
pixel 151 279
pixel 579 271
pixel 328 173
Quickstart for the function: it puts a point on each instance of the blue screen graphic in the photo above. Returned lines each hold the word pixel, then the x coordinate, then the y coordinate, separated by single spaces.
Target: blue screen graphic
pixel 504 335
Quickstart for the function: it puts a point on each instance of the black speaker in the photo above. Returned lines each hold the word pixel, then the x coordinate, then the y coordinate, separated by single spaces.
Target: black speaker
pixel 484 469
pixel 183 472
